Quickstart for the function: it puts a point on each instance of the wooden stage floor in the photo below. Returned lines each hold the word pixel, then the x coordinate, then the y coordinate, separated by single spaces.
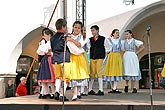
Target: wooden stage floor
pixel 142 98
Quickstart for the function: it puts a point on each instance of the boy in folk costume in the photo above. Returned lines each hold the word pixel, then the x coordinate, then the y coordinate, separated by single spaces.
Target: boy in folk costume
pixel 79 73
pixel 45 73
pixel 57 45
pixel 131 69
pixel 97 54
pixel 113 66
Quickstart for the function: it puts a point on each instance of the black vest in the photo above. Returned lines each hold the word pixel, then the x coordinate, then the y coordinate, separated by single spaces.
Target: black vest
pixel 97 50
pixel 57 46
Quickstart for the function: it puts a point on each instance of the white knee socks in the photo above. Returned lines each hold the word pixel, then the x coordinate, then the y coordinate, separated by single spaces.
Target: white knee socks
pixel 100 80
pixel 127 81
pixel 134 84
pixel 65 86
pixel 82 89
pixel 91 84
pixel 114 85
pixel 45 88
pixel 52 88
pixel 58 85
pixel 74 92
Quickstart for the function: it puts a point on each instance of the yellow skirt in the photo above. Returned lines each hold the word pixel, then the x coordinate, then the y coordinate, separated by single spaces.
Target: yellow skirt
pixel 85 55
pixel 78 67
pixel 163 71
pixel 113 66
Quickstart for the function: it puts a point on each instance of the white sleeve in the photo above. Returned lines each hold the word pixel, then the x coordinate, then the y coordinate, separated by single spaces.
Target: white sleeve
pixel 82 41
pixel 107 45
pixel 74 49
pixel 122 45
pixel 88 45
pixel 43 47
pixel 48 45
pixel 138 43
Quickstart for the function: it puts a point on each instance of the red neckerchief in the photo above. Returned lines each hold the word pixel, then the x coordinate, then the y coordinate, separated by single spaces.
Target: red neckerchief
pixel 60 31
pixel 95 38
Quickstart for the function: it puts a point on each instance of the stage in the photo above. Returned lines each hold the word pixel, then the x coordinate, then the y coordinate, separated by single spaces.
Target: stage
pixel 123 101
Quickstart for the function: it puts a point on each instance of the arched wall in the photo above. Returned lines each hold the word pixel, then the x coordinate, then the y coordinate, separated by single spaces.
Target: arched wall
pixel 152 15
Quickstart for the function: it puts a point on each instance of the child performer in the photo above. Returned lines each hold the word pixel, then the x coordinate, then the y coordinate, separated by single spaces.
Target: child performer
pixel 86 56
pixel 45 73
pixel 97 54
pixel 113 66
pixel 130 59
pixel 57 45
pixel 79 72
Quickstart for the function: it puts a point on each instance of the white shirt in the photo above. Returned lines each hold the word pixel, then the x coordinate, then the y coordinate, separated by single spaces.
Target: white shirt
pixel 73 48
pixel 106 41
pixel 137 42
pixel 43 47
pixel 109 45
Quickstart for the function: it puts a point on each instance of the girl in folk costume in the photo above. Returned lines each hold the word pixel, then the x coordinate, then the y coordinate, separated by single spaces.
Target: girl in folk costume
pixel 45 73
pixel 131 70
pixel 79 72
pixel 86 57
pixel 113 66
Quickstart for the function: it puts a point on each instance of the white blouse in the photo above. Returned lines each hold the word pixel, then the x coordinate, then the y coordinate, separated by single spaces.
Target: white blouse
pixel 106 44
pixel 43 47
pixel 73 48
pixel 109 45
pixel 137 43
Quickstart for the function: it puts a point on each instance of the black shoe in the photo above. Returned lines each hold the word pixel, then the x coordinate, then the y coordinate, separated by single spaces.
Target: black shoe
pixel 79 96
pixel 83 94
pixel 47 96
pixel 99 93
pixel 56 96
pixel 40 96
pixel 134 90
pixel 111 91
pixel 126 89
pixel 115 91
pixel 74 99
pixel 65 99
pixel 91 92
pixel 51 96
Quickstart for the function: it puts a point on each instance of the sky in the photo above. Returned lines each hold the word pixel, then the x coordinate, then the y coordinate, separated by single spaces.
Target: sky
pixel 97 10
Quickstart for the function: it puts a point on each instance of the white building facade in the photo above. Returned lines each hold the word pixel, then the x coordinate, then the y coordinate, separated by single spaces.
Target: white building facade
pixel 22 22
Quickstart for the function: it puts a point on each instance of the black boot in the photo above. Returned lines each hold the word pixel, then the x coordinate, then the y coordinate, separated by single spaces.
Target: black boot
pixel 65 99
pixel 99 93
pixel 91 92
pixel 134 90
pixel 126 89
pixel 56 96
pixel 79 96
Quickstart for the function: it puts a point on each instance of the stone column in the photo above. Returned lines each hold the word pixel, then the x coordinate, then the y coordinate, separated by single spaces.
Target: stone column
pixel 3 82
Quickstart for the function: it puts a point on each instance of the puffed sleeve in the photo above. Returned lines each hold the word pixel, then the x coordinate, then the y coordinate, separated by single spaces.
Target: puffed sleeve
pixel 138 43
pixel 42 48
pixel 74 49
pixel 122 45
pixel 88 44
pixel 48 45
pixel 107 45
pixel 82 41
